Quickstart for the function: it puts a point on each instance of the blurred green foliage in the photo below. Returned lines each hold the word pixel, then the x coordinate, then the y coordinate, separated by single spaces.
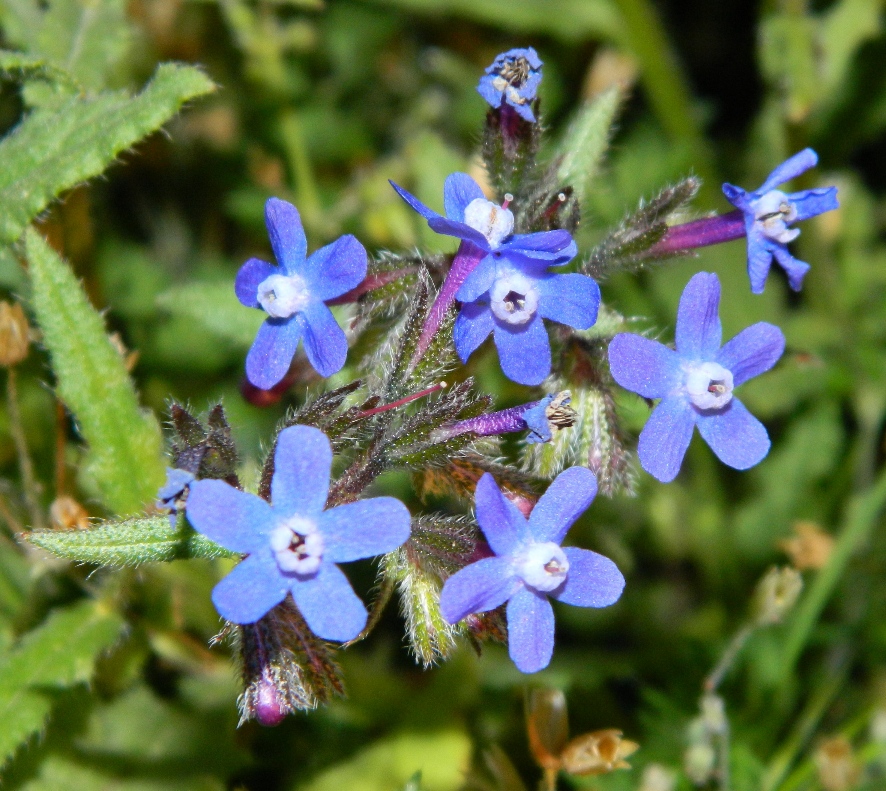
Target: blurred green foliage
pixel 106 680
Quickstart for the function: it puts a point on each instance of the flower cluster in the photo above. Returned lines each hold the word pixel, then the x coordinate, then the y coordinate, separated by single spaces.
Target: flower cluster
pixel 529 565
pixel 292 545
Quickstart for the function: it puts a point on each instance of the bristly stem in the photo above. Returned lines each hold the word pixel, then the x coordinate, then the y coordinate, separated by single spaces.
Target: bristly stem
pixel 29 481
pixel 699 233
pixel 465 262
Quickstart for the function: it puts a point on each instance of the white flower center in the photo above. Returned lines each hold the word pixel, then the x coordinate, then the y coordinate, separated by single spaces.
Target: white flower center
pixel 493 221
pixel 283 295
pixel 773 213
pixel 542 566
pixel 709 385
pixel 513 297
pixel 297 545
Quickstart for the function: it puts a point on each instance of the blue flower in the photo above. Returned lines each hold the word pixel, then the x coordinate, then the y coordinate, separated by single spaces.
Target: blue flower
pixel 695 383
pixel 529 565
pixel 174 492
pixel 767 214
pixel 513 78
pixel 293 295
pixel 510 290
pixel 550 414
pixel 293 545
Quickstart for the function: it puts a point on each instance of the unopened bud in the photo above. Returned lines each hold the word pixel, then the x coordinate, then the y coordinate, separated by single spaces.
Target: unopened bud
pixel 699 761
pixel 268 707
pixel 657 778
pixel 713 714
pixel 547 726
pixel 66 513
pixel 776 594
pixel 810 548
pixel 837 769
pixel 15 334
pixel 597 753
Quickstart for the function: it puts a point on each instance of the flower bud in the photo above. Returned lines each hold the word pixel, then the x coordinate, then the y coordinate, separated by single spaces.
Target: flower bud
pixel 15 334
pixel 597 753
pixel 547 726
pixel 776 594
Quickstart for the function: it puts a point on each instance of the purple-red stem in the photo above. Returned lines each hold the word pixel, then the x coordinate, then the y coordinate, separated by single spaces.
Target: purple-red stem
pixel 700 233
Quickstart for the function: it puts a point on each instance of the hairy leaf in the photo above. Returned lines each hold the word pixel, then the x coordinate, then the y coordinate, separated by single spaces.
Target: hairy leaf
pixel 125 461
pixel 58 654
pixel 55 149
pixel 128 543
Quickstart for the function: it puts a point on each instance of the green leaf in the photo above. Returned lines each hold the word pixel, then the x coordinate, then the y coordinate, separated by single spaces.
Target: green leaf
pixel 128 543
pixel 55 149
pixel 586 141
pixel 215 306
pixel 58 654
pixel 125 461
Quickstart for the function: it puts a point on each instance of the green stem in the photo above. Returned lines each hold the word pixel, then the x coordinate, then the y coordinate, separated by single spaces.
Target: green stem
pixel 29 481
pixel 862 515
pixel 302 172
pixel 732 650
pixel 667 89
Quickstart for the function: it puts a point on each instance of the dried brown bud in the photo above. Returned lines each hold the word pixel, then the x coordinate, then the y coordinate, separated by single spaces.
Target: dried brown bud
pixel 837 769
pixel 15 334
pixel 66 513
pixel 597 753
pixel 776 594
pixel 810 548
pixel 547 726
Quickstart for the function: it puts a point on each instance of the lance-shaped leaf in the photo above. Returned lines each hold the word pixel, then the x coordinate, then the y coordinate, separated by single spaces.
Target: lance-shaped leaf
pixel 58 654
pixel 55 149
pixel 124 462
pixel 128 543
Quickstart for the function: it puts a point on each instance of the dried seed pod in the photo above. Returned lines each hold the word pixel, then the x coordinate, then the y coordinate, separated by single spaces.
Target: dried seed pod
pixel 15 334
pixel 810 547
pixel 836 764
pixel 597 753
pixel 547 726
pixel 66 513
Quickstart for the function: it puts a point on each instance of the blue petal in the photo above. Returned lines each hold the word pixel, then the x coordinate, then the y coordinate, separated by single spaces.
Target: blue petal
pixel 253 587
pixel 472 327
pixel 523 110
pixel 571 299
pixel 176 480
pixel 810 203
pixel 500 520
pixel 737 438
pixel 566 499
pixel 478 282
pixel 524 352
pixel 237 520
pixel 459 230
pixel 536 420
pixel 325 342
pixel 480 587
pixel 738 197
pixel 414 202
pixel 751 352
pixel 329 605
pixel 488 92
pixel 559 242
pixel 364 529
pixel 698 332
pixel 665 438
pixel 302 461
pixel 287 235
pixel 794 268
pixel 759 260
pixel 458 191
pixel 530 630
pixel 643 366
pixel 249 278
pixel 272 351
pixel 592 580
pixel 336 268
pixel 789 169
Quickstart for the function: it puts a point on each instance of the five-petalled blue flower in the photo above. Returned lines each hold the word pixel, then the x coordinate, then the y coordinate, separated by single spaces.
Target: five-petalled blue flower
pixel 530 565
pixel 292 545
pixel 510 290
pixel 767 214
pixel 513 78
pixel 293 295
pixel 695 383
